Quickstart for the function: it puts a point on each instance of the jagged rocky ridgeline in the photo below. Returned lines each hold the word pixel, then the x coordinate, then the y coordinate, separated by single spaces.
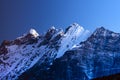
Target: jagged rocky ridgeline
pixel 75 54
pixel 31 49
pixel 96 57
pixel 93 58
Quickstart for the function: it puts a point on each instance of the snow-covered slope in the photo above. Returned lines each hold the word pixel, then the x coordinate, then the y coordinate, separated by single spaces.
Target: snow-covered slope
pixel 23 53
pixel 73 36
pixel 98 56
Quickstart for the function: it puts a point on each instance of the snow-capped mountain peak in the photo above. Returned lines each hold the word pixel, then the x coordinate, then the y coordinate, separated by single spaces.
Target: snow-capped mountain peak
pixel 52 28
pixel 33 32
pixel 74 34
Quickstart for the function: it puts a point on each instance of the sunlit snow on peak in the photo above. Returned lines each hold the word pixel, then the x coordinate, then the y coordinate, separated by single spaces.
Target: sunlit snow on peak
pixel 34 32
pixel 52 27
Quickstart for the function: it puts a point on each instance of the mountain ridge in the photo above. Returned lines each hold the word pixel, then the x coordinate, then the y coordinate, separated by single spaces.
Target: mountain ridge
pixel 24 52
pixel 73 54
pixel 95 57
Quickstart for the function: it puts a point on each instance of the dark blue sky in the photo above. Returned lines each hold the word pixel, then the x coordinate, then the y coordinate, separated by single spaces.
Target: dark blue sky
pixel 18 16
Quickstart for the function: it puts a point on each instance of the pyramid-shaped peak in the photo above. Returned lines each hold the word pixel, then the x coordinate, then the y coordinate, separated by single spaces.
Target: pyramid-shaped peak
pixel 33 32
pixel 101 28
pixel 74 26
pixel 52 27
pixel 105 32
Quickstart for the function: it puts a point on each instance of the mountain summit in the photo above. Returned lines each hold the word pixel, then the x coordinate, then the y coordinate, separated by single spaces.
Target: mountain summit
pixel 34 32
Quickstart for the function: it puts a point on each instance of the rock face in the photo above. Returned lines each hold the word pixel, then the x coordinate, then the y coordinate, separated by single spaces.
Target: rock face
pixel 96 57
pixel 37 51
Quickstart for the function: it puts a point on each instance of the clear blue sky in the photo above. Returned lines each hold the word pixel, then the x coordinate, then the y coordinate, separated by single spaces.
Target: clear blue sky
pixel 18 16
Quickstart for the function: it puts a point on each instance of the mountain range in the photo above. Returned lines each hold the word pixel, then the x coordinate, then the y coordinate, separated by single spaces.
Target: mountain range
pixel 73 54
